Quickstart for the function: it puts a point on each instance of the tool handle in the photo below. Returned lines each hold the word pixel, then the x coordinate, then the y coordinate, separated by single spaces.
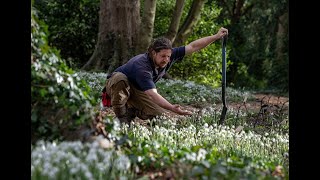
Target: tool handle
pixel 224 40
pixel 224 69
pixel 224 63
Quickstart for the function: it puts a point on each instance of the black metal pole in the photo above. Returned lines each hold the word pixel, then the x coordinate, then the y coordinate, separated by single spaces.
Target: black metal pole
pixel 224 79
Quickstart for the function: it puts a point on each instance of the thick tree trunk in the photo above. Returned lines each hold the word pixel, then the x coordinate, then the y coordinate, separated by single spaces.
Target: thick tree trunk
pixel 118 32
pixel 146 30
pixel 191 20
pixel 175 20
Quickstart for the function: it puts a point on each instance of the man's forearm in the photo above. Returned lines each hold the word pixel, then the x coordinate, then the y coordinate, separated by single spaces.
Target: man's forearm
pixel 159 100
pixel 201 43
pixel 205 41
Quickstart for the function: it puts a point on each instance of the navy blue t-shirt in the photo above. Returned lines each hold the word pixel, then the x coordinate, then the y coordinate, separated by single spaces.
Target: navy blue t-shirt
pixel 141 71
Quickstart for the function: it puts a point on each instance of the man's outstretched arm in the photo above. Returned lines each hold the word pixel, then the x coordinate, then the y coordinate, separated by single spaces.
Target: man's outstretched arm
pixel 162 102
pixel 205 41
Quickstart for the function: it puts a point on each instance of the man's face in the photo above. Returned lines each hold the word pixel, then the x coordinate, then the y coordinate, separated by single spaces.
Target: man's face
pixel 162 58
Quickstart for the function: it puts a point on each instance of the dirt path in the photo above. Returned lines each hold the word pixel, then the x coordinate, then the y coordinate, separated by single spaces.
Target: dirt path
pixel 262 100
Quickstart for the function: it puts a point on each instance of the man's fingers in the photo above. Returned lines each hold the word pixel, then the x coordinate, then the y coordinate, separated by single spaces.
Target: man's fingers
pixel 224 30
pixel 186 112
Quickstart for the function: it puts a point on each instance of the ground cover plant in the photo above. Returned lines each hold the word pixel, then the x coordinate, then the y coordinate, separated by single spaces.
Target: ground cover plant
pixel 252 144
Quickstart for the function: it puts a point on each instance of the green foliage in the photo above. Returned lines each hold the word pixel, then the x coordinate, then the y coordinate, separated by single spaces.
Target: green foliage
pixel 162 20
pixel 164 13
pixel 253 38
pixel 73 27
pixel 279 71
pixel 205 151
pixel 96 82
pixel 204 66
pixel 61 101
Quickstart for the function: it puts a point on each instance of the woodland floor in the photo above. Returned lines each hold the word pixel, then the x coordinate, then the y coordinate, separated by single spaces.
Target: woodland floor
pixel 271 101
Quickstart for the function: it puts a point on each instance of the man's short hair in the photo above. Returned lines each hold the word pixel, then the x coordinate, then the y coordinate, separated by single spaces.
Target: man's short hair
pixel 159 44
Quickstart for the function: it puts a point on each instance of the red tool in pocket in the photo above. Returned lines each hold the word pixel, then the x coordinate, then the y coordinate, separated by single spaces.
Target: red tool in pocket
pixel 106 99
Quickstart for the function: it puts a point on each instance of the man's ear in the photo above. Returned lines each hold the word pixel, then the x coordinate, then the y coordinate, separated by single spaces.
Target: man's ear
pixel 153 53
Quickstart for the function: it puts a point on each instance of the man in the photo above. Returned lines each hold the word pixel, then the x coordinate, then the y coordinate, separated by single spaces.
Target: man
pixel 132 85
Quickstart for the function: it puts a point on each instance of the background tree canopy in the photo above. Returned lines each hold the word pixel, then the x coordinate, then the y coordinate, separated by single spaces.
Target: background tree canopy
pixel 257 47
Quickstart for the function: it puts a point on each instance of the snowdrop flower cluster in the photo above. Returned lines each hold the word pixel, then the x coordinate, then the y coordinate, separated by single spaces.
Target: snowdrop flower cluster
pixel 224 138
pixel 95 80
pixel 69 160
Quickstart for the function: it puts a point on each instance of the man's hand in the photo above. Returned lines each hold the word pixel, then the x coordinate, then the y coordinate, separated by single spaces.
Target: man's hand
pixel 177 109
pixel 222 32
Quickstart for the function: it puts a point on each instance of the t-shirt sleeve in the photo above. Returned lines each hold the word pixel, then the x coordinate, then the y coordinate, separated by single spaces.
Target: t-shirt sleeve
pixel 144 80
pixel 178 53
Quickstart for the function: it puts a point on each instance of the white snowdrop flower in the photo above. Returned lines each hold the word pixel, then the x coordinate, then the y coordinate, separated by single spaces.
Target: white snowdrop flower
pixel 201 154
pixel 122 163
pixel 285 140
pixel 52 173
pixel 171 151
pixel 91 157
pixel 74 160
pixel 268 145
pixel 83 167
pixel 100 166
pixel 46 167
pixel 73 170
pixel 156 145
pixel 95 144
pixel 51 90
pixel 192 156
pixel 238 139
pixel 53 58
pixel 123 178
pixel 206 125
pixel 43 147
pixel 266 134
pixel 37 66
pixel 140 158
pixel 72 94
pixel 58 78
pixel 72 85
pixel 88 175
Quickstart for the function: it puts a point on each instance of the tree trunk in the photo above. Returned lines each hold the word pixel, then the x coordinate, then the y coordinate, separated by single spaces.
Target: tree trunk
pixel 118 32
pixel 175 20
pixel 146 30
pixel 191 20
